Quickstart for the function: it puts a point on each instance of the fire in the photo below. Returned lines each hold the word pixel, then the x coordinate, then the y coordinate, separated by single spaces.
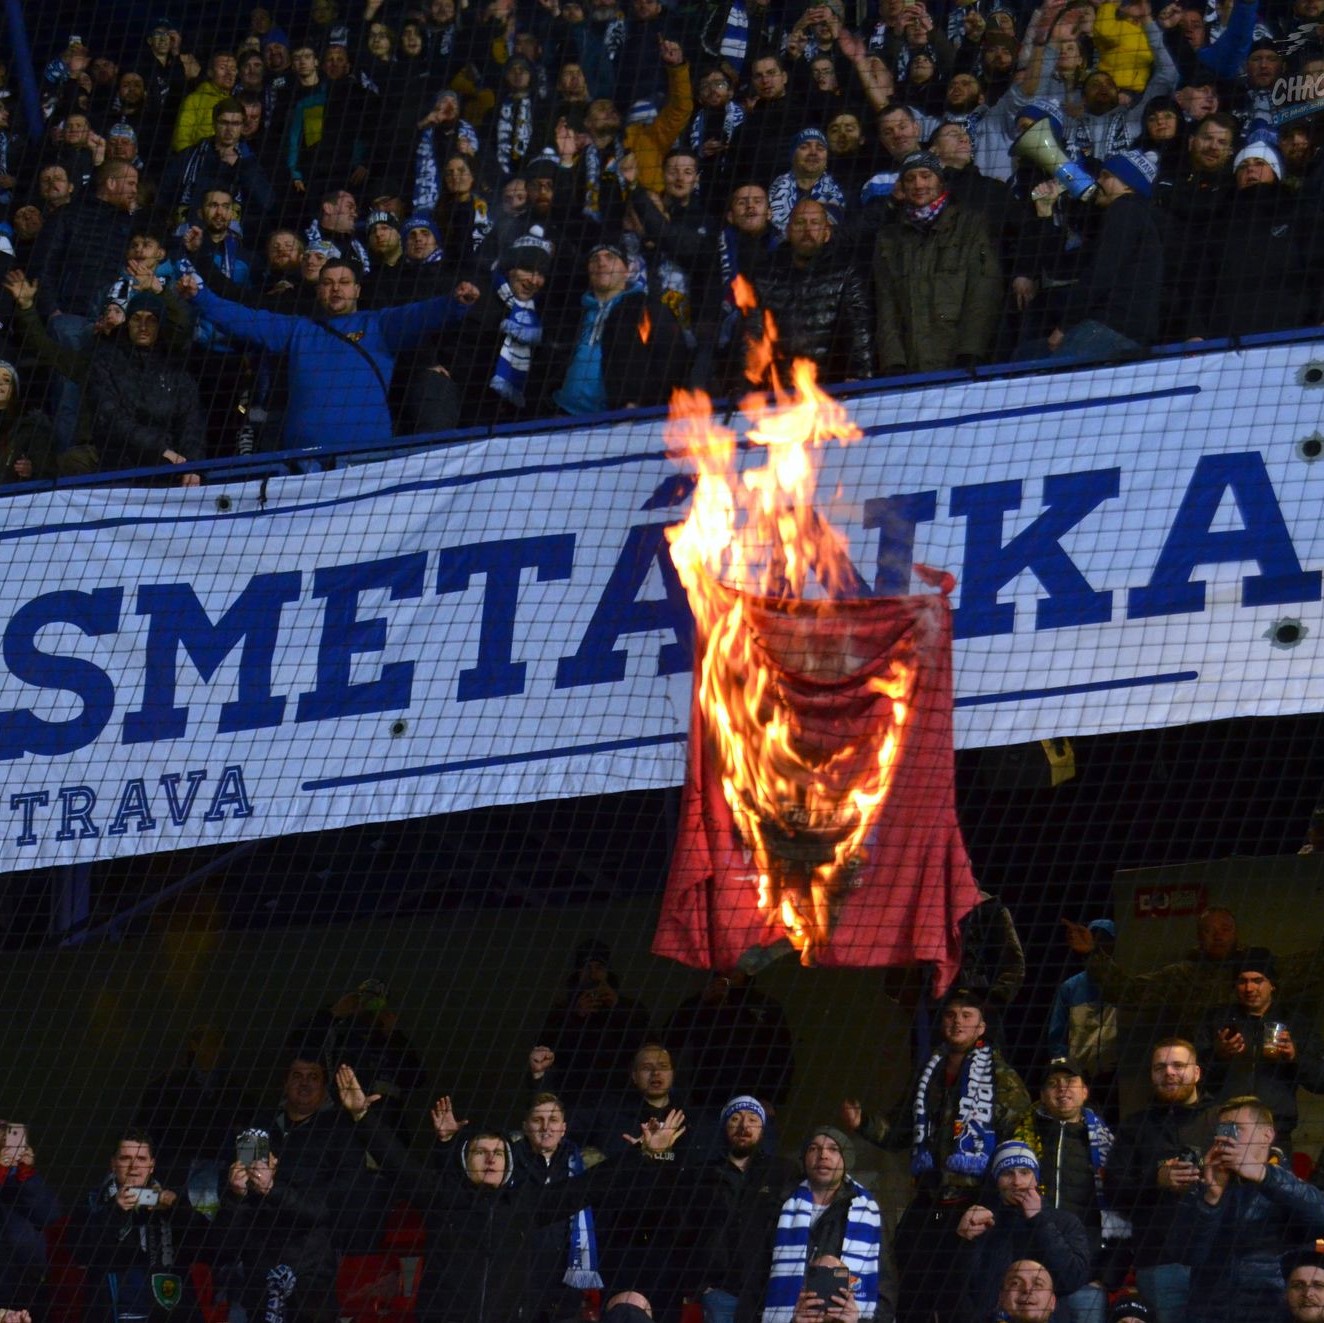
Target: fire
pixel 645 327
pixel 766 575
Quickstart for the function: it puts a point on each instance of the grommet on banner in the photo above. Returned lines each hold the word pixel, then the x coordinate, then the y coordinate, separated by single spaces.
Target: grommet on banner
pixel 1311 447
pixel 223 504
pixel 1312 374
pixel 1286 633
pixel 398 727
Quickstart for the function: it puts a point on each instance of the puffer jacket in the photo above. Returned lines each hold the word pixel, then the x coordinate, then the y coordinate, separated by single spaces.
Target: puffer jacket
pixel 939 292
pixel 1233 1248
pixel 821 312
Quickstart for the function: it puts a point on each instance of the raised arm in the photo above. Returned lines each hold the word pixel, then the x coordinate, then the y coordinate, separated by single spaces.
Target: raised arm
pixel 271 330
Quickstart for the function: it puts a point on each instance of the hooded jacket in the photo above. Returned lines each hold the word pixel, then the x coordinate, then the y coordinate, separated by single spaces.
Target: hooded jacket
pixel 479 1236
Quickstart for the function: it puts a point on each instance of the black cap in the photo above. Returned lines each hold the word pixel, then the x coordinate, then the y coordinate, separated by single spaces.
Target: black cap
pixel 1061 1066
pixel 1264 44
pixel 1132 1307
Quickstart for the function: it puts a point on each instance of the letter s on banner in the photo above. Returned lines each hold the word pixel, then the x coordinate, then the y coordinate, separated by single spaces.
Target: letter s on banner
pixel 95 613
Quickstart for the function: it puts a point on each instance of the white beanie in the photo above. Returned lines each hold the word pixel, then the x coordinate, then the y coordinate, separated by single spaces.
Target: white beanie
pixel 1260 151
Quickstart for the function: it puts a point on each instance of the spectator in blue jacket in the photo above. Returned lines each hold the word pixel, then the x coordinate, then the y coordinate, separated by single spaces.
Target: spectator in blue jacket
pixel 341 359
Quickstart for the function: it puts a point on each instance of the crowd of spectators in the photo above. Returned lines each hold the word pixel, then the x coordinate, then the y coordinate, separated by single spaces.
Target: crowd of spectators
pixel 215 235
pixel 640 1165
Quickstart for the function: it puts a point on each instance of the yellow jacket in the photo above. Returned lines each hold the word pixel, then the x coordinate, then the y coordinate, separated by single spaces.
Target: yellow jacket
pixel 1123 48
pixel 651 142
pixel 194 122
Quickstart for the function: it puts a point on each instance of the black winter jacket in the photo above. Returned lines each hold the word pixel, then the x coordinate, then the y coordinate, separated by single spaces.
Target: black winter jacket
pixel 1275 1082
pixel 821 311
pixel 1233 1248
pixel 1121 278
pixel 1262 271
pixel 1068 1174
pixel 319 1166
pixel 142 405
pixel 479 1236
pixel 1145 1140
pixel 1053 1237
pixel 79 253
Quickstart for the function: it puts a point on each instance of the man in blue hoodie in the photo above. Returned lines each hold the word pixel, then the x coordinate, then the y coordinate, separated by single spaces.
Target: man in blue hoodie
pixel 340 360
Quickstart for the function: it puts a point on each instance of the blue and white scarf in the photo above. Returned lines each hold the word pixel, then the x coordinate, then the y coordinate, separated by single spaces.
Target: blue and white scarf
pixel 734 45
pixel 427 168
pixel 732 118
pixel 522 328
pixel 581 1272
pixel 356 249
pixel 785 193
pixel 514 133
pixel 973 1132
pixel 861 1250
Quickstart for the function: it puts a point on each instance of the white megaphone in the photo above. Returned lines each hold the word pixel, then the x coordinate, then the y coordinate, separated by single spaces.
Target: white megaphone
pixel 1040 148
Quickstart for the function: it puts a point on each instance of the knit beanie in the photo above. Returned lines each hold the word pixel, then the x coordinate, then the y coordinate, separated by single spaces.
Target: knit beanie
pixel 920 161
pixel 1012 1154
pixel 1260 151
pixel 743 1103
pixel 1137 170
pixel 7 366
pixel 838 1137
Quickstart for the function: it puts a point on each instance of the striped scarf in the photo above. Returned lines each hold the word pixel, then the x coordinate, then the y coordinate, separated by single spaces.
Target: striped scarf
pixel 522 329
pixel 785 193
pixel 581 1272
pixel 972 1133
pixel 735 36
pixel 732 118
pixel 514 133
pixel 860 1251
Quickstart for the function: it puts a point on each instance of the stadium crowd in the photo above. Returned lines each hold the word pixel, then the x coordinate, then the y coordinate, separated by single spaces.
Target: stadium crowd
pixel 410 219
pixel 640 1173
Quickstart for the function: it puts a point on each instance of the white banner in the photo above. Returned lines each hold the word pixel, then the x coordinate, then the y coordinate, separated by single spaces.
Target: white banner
pixel 498 622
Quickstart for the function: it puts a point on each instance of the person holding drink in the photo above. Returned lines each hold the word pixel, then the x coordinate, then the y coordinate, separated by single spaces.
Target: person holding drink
pixel 1255 1046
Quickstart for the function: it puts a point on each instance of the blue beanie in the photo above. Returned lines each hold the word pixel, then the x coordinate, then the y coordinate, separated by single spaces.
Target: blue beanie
pixel 421 223
pixel 1045 108
pixel 744 1103
pixel 1137 170
pixel 275 37
pixel 808 135
pixel 1013 1154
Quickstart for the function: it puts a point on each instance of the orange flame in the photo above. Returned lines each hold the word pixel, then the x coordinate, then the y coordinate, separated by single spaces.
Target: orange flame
pixel 804 800
pixel 645 327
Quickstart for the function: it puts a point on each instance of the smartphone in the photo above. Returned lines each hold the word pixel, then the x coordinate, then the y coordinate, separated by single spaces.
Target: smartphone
pixel 252 1146
pixel 148 1198
pixel 825 1282
pixel 15 1140
pixel 1226 1130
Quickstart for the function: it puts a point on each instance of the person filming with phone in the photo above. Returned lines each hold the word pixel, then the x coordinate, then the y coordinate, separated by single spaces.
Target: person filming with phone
pixel 136 1241
pixel 1232 1227
pixel 27 1206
